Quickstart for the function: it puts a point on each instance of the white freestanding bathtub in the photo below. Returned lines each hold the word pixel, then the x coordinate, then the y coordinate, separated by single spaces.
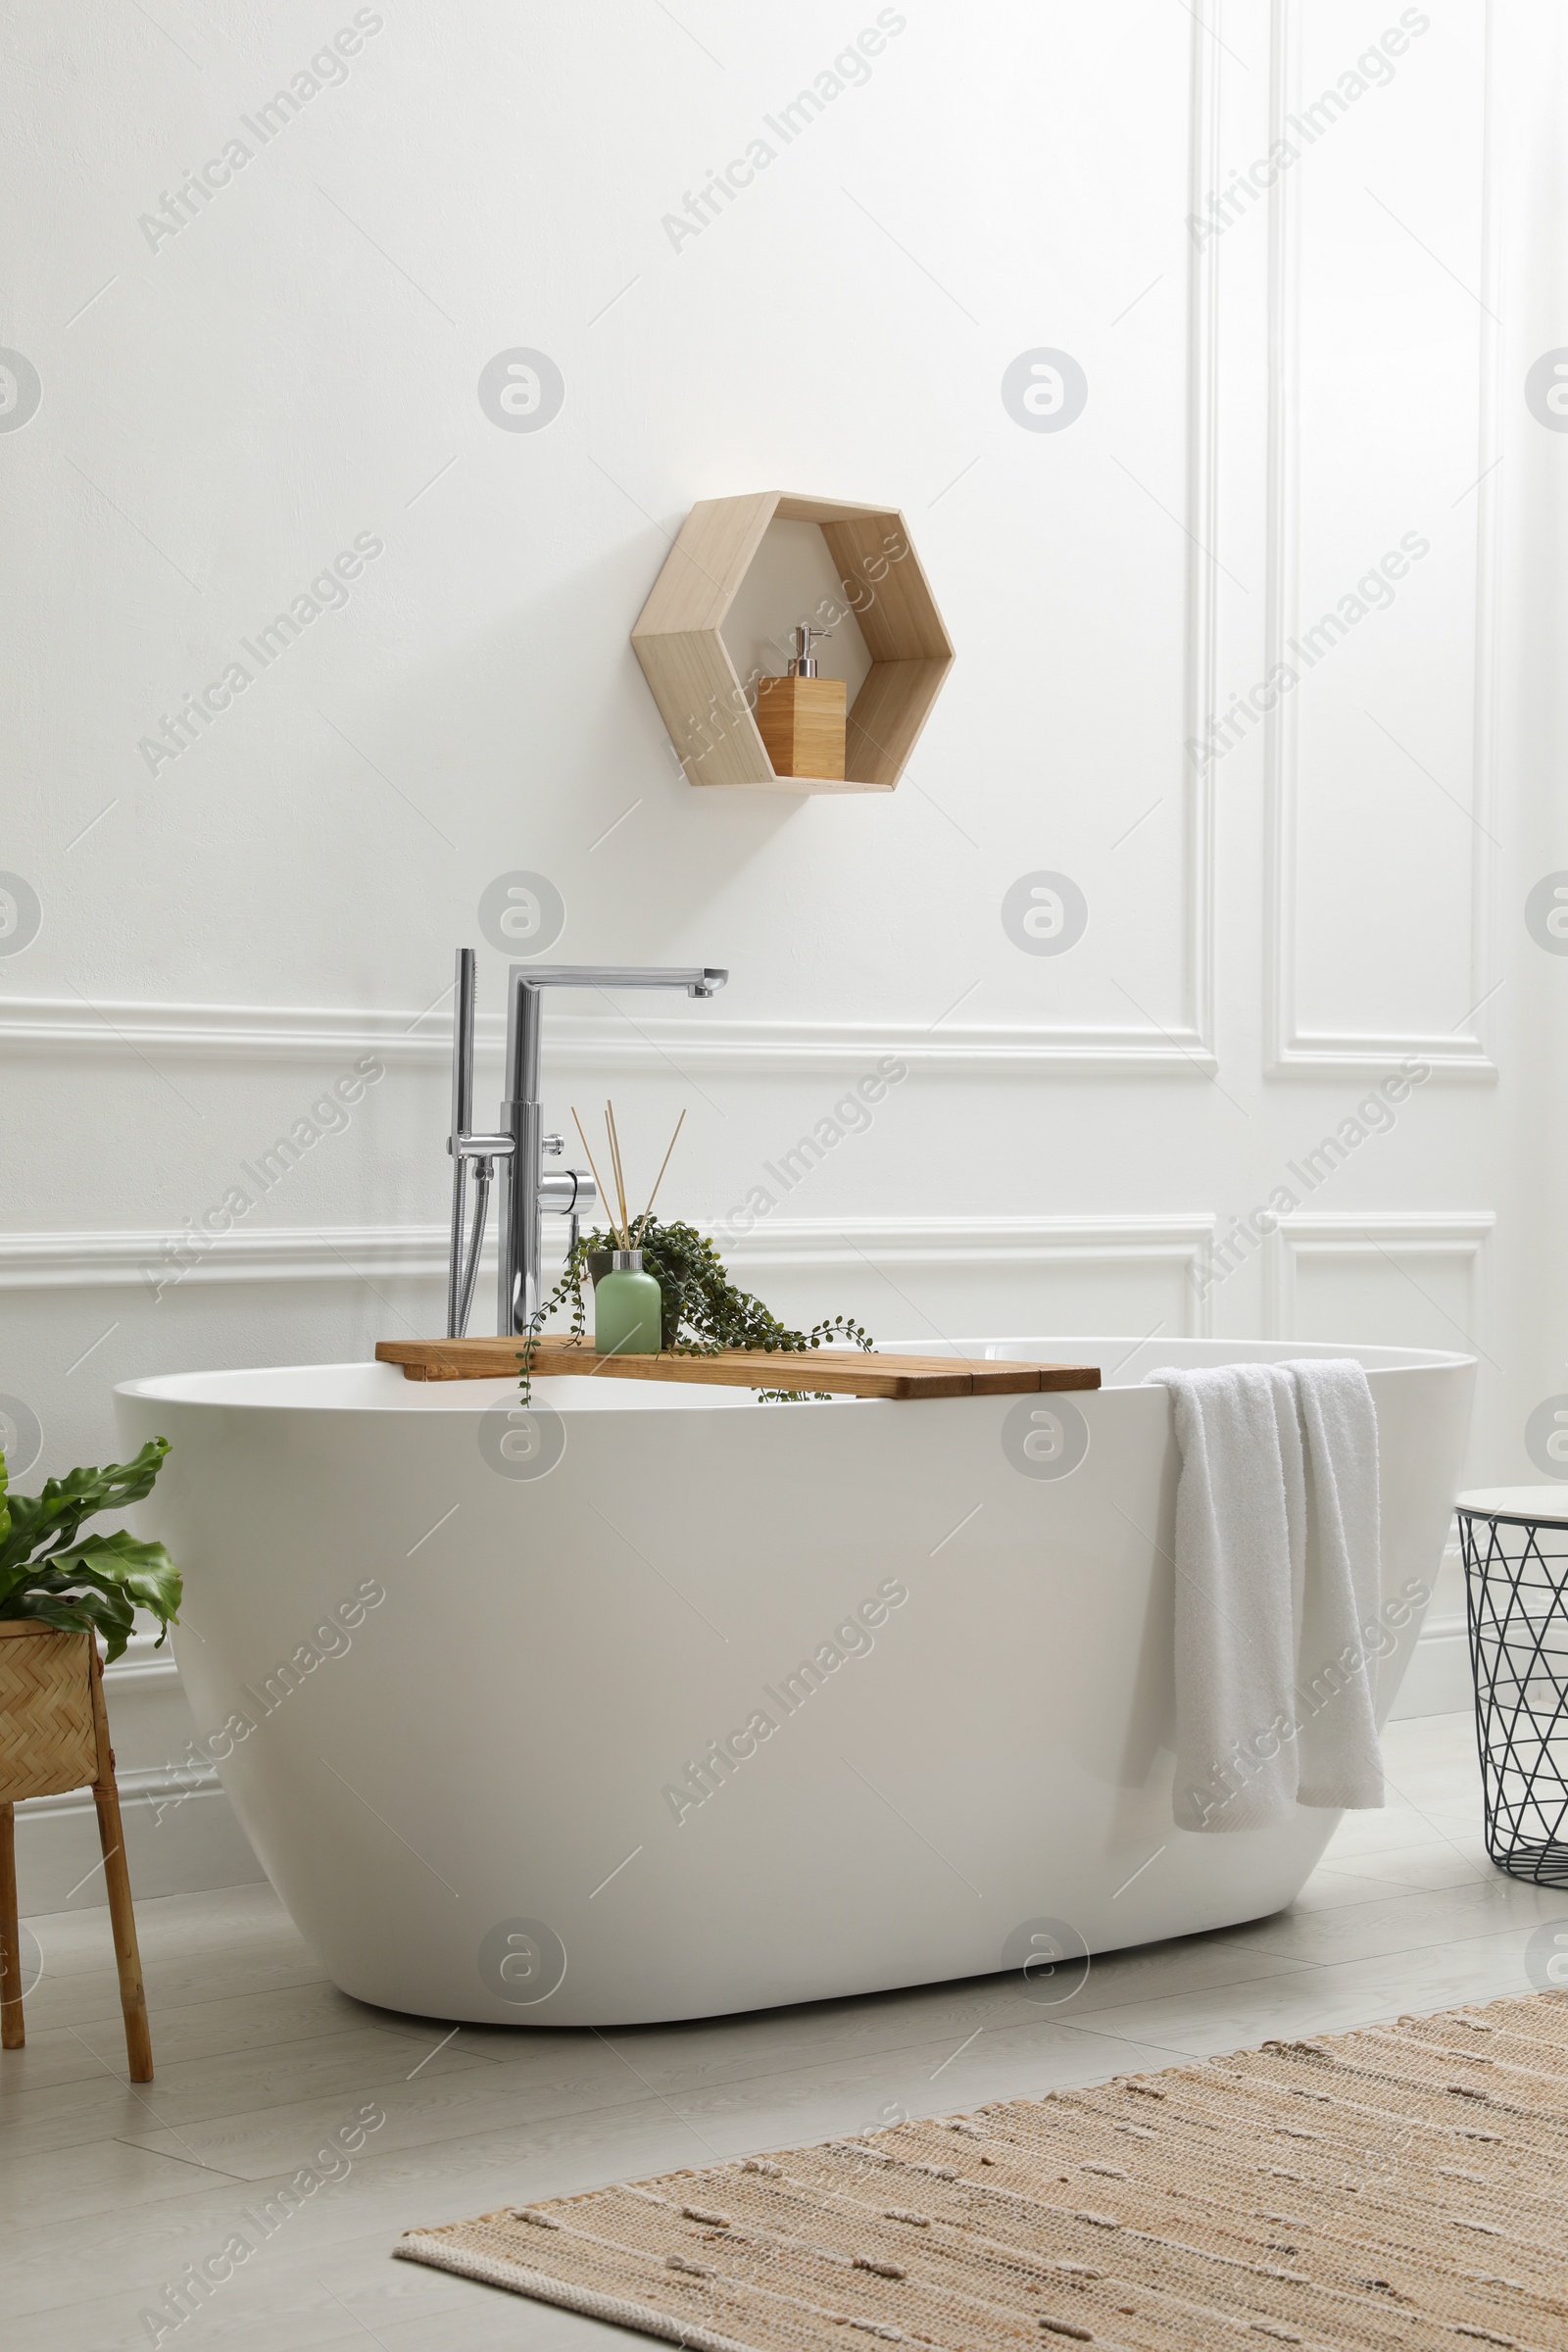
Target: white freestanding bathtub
pixel 661 1702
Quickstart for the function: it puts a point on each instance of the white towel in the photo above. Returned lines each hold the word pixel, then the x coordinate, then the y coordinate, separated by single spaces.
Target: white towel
pixel 1340 1757
pixel 1278 1570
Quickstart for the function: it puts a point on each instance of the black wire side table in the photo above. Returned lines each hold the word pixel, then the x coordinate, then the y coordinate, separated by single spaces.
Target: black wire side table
pixel 1515 1545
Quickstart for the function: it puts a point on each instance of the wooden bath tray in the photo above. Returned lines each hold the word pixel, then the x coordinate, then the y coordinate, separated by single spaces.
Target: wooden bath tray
pixel 841 1371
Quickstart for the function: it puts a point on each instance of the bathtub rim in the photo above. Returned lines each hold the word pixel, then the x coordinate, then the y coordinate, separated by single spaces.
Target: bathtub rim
pixel 232 1389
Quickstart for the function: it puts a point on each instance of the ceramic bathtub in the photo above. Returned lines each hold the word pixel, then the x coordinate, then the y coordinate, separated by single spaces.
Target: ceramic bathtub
pixel 666 1702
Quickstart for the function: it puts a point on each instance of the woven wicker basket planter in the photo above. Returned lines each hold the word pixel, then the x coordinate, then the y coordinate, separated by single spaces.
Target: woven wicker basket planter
pixel 48 1739
pixel 53 1737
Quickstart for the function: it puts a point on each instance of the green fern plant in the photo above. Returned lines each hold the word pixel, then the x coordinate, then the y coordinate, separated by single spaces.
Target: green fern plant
pixel 704 1311
pixel 79 1583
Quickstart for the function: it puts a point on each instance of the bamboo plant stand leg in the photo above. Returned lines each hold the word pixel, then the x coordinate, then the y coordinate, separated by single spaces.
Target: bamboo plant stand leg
pixel 11 2033
pixel 117 1880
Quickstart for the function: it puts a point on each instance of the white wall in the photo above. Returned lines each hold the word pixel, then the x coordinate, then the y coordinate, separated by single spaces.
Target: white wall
pixel 1271 408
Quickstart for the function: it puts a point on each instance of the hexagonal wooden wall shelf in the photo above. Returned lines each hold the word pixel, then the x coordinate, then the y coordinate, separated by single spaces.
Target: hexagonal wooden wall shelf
pixel 694 681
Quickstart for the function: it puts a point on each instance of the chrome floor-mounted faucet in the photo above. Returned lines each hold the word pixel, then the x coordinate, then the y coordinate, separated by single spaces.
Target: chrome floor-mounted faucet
pixel 518 1145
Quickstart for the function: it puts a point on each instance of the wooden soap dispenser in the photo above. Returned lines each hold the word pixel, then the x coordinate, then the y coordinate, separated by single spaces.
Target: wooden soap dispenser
pixel 801 716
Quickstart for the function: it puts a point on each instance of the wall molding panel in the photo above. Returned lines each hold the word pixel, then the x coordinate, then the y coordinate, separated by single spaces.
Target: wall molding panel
pixel 1382 1234
pixel 73 1026
pixel 1196 1039
pixel 115 1260
pixel 1179 1241
pixel 231 1034
pixel 1464 1051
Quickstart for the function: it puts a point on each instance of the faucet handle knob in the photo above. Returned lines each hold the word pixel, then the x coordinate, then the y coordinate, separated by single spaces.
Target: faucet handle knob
pixel 555 1145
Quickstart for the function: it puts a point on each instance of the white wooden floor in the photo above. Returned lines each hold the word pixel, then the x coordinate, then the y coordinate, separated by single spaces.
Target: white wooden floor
pixel 107 2192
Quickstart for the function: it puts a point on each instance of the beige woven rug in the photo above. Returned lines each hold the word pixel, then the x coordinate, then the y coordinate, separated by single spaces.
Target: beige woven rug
pixel 1405 2186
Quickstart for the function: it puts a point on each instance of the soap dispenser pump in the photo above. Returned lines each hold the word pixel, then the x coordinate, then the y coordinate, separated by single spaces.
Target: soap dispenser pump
pixel 803 664
pixel 802 718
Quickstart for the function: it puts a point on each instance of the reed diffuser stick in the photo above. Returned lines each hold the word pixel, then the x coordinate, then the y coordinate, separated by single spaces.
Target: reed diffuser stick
pixel 658 1181
pixel 588 1148
pixel 621 1181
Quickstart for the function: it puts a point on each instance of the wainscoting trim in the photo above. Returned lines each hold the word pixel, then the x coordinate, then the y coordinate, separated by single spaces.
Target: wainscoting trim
pixel 341 1034
pixel 108 1259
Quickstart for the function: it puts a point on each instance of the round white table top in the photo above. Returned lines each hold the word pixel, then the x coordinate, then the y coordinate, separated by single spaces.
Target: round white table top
pixel 1543 1504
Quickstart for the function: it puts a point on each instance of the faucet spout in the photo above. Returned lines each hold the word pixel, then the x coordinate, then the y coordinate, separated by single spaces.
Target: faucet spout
pixel 513 1157
pixel 520 1283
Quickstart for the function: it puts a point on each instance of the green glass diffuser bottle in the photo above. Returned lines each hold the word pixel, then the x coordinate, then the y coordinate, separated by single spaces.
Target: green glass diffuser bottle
pixel 627 1307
